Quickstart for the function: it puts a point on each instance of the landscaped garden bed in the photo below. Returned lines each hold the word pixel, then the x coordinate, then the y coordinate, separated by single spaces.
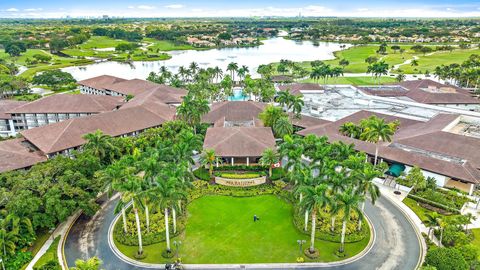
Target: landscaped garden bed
pixel 239 172
pixel 218 216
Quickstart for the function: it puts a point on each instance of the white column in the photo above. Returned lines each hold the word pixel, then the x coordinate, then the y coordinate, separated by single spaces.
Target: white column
pixel 472 187
pixel 217 162
pixel 13 132
pixel 232 161
pixel 248 161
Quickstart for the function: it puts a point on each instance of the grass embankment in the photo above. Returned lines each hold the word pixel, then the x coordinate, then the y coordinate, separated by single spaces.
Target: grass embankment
pixel 56 62
pixel 104 47
pixel 356 56
pixel 50 255
pixel 220 229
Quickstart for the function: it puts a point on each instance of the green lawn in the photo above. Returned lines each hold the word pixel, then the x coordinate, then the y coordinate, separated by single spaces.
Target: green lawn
pixel 361 80
pixel 51 253
pixel 165 45
pixel 220 229
pixel 356 56
pixel 476 240
pixel 101 42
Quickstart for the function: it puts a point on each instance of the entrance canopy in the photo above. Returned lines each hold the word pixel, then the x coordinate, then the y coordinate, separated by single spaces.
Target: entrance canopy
pixel 395 169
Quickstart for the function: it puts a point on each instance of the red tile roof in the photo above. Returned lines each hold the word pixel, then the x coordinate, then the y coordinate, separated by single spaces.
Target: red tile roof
pixel 14 154
pixel 7 105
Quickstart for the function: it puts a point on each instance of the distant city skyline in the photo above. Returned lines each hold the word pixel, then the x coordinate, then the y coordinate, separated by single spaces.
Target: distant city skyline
pixel 247 8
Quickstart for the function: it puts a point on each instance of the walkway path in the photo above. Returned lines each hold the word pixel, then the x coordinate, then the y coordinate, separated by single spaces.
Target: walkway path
pixel 396 247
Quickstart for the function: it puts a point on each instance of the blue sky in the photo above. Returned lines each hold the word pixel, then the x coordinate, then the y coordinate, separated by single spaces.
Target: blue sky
pixel 243 8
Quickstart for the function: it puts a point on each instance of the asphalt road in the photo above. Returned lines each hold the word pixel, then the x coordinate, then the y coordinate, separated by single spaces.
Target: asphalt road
pixel 396 245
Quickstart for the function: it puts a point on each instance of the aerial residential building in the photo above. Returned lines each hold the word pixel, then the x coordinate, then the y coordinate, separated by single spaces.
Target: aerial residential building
pixel 427 92
pixel 6 124
pixel 57 108
pixel 444 147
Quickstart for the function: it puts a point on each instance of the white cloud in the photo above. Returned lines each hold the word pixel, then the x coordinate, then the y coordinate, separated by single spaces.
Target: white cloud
pixel 175 6
pixel 33 9
pixel 12 10
pixel 362 9
pixel 145 7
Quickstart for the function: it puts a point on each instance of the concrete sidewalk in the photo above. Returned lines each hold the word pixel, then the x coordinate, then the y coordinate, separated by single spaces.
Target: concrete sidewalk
pixel 59 231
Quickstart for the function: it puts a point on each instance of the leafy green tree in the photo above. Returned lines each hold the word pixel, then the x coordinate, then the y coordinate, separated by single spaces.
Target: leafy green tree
pixel 446 259
pixel 208 158
pixel 93 263
pixel 431 222
pixel 271 114
pixel 416 178
pixel 192 110
pixel 54 78
pixel 344 62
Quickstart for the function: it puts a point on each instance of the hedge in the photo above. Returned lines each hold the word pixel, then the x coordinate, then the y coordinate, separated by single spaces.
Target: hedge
pixel 277 174
pixel 202 174
pixel 239 175
pixel 432 203
pixel 254 168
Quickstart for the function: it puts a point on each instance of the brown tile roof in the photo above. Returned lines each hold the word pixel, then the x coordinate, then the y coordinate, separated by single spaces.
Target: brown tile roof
pixel 15 155
pixel 101 82
pixel 7 105
pixel 416 143
pixel 297 88
pixel 65 103
pixel 161 93
pixel 68 134
pixel 306 121
pixel 234 111
pixel 424 91
pixel 132 87
pixel 239 141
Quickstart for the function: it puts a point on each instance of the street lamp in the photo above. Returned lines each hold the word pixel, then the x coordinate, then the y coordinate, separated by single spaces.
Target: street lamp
pixel 300 244
pixel 177 246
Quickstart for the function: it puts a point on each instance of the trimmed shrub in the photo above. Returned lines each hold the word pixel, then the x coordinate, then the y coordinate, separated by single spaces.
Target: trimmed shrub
pixel 277 174
pixel 433 203
pixel 202 174
pixel 446 259
pixel 239 175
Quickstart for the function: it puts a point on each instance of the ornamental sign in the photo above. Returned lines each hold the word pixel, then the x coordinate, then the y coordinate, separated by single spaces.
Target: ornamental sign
pixel 240 182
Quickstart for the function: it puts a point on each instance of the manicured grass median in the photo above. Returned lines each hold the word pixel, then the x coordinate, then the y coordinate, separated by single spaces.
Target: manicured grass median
pixel 220 229
pixel 50 255
pixel 476 240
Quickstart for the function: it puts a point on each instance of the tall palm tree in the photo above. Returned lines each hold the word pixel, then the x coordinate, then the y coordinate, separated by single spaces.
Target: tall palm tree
pixel 233 68
pixel 365 185
pixel 167 197
pixel 350 129
pixel 270 115
pixel 269 158
pixel 378 130
pixel 208 158
pixel 284 98
pixel 8 235
pixel 100 145
pixel 193 68
pixel 348 203
pixel 297 104
pixel 282 127
pixel 315 199
pixel 218 73
pixel 131 189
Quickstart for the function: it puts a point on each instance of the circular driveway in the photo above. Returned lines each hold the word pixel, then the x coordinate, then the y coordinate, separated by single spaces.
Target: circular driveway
pixel 396 246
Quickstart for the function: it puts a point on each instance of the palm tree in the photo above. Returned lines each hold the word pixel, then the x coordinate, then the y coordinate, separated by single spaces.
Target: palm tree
pixel 365 185
pixel 269 158
pixel 167 197
pixel 284 98
pixel 315 199
pixel 218 73
pixel 270 115
pixel 208 158
pixel 93 263
pixel 131 189
pixel 432 221
pixel 8 235
pixel 193 68
pixel 232 67
pixel 100 145
pixel 297 104
pixel 282 127
pixel 348 203
pixel 414 63
pixel 378 130
pixel 349 129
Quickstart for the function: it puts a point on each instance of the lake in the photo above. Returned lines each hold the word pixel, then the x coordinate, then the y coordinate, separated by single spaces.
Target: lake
pixel 272 50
